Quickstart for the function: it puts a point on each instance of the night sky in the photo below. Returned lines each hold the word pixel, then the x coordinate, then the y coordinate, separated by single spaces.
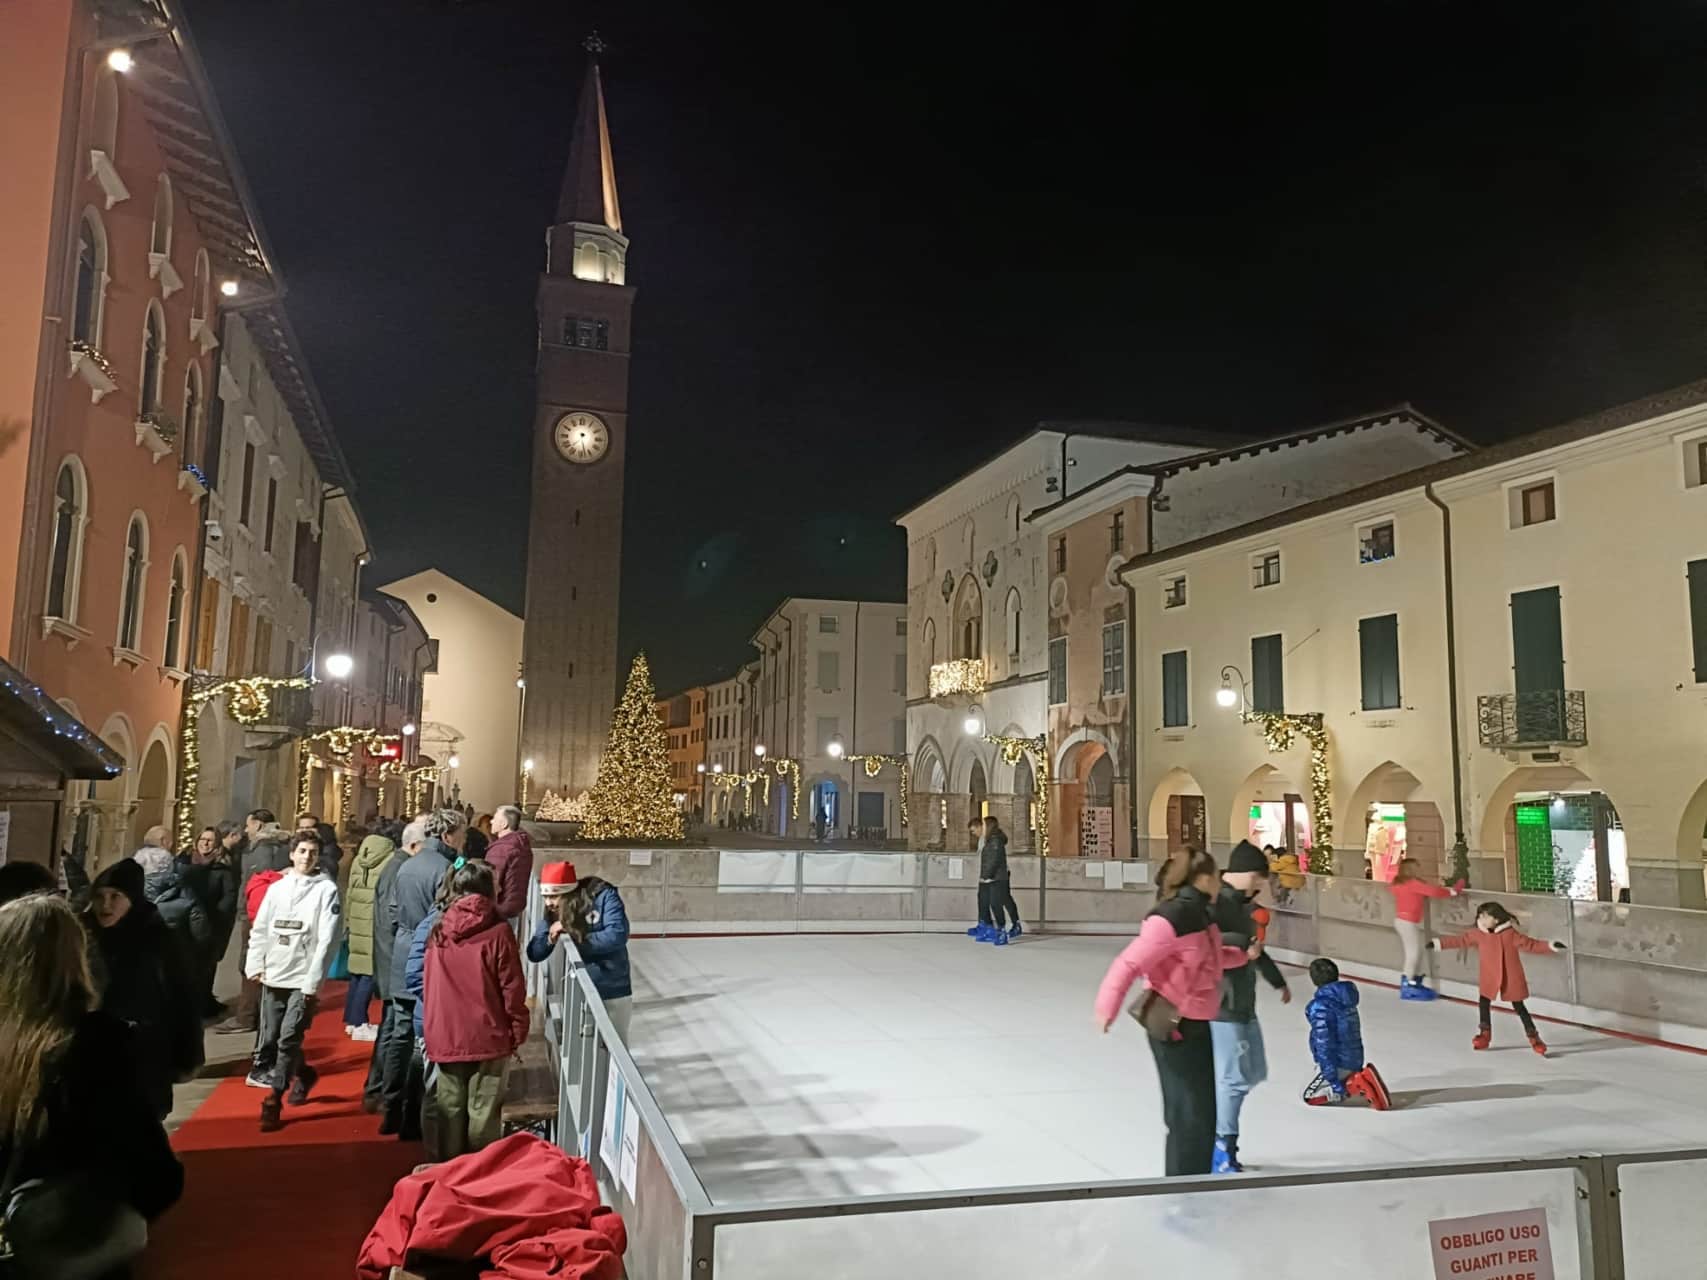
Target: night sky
pixel 872 247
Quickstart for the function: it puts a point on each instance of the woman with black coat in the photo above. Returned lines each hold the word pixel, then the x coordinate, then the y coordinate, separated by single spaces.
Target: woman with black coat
pixel 145 980
pixel 65 1116
pixel 212 873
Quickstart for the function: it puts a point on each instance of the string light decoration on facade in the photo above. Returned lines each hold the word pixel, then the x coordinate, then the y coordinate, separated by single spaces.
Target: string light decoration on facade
pixel 957 676
pixel 746 781
pixel 790 769
pixel 1038 749
pixel 1279 733
pixel 249 702
pixel 875 764
pixel 633 798
pixel 341 741
pixel 564 808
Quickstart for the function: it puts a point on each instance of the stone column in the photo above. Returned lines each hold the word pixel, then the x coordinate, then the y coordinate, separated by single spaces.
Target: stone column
pixel 924 826
pixel 959 811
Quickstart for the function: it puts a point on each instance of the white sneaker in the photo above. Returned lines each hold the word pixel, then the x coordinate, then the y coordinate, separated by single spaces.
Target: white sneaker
pixel 367 1032
pixel 255 1080
pixel 349 1031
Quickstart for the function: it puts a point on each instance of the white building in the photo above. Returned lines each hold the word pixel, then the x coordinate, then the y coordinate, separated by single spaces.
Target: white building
pixel 729 739
pixel 1572 565
pixel 831 687
pixel 270 459
pixel 471 702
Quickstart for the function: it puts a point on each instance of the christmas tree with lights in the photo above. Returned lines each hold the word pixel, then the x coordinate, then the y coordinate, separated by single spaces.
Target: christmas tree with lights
pixel 634 798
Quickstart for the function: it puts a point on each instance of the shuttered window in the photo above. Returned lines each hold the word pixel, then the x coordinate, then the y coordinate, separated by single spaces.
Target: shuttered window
pixel 1698 616
pixel 1268 683
pixel 1378 645
pixel 1176 704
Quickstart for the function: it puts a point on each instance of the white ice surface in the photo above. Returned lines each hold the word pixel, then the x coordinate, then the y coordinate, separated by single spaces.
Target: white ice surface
pixel 841 1065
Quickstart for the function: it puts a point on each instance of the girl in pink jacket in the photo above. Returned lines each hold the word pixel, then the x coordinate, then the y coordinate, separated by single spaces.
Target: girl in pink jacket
pixel 1179 954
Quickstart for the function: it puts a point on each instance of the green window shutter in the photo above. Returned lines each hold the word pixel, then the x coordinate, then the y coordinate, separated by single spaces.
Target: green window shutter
pixel 1698 616
pixel 1268 682
pixel 1378 645
pixel 1176 704
pixel 1537 641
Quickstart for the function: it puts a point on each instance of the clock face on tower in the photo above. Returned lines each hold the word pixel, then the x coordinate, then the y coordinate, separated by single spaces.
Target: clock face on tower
pixel 581 437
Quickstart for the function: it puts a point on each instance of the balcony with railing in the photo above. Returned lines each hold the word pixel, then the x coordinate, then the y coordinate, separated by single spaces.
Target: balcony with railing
pixel 959 677
pixel 1542 719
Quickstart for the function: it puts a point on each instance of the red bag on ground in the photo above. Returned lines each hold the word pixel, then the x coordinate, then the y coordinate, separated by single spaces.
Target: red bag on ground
pixel 529 1208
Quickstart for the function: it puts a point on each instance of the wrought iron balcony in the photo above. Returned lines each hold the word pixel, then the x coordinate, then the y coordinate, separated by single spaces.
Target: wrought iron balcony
pixel 1550 718
pixel 960 677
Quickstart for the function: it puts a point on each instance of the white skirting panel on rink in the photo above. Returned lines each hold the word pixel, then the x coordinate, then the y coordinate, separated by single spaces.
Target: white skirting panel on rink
pixel 1665 1230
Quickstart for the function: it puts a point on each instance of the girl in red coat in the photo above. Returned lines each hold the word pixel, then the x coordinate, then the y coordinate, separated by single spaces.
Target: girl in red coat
pixel 1501 944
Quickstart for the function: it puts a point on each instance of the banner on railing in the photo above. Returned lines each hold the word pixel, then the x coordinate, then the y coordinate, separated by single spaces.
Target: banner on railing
pixel 1492 1246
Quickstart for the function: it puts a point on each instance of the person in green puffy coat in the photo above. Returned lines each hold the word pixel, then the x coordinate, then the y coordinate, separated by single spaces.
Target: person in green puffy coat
pixel 371 858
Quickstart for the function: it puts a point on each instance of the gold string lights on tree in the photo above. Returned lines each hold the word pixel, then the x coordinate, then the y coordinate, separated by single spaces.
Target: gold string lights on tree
pixel 1279 732
pixel 633 798
pixel 249 701
pixel 1038 749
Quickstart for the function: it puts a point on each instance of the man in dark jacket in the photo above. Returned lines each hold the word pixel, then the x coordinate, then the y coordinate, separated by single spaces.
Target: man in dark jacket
pixel 411 899
pixel 1240 1061
pixel 511 857
pixel 995 892
pixel 409 841
pixel 268 849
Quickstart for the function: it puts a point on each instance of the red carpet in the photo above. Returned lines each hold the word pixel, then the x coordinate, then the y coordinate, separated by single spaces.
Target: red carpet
pixel 296 1203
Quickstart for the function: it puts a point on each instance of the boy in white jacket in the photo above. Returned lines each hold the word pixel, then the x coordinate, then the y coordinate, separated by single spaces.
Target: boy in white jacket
pixel 289 947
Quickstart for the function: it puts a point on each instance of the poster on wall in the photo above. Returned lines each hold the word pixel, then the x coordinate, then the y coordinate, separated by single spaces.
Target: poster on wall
pixel 1096 832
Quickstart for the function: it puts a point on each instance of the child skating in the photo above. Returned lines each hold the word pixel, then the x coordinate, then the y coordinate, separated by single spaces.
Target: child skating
pixel 1336 1043
pixel 1500 944
pixel 1410 891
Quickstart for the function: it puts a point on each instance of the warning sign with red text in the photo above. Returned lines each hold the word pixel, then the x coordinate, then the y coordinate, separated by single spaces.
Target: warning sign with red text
pixel 1492 1246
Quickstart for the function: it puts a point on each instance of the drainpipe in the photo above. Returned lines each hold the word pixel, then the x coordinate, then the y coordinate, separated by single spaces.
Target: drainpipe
pixel 1460 848
pixel 1131 715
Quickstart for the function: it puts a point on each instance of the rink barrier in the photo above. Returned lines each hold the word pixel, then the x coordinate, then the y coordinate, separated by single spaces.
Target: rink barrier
pixel 1628 968
pixel 1627 1216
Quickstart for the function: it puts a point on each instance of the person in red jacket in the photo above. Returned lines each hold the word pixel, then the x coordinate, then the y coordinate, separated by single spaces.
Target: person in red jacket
pixel 475 1011
pixel 1409 892
pixel 1501 944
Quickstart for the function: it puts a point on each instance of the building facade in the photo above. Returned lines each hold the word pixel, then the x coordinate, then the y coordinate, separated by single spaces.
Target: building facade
pixel 580 442
pixel 683 716
pixel 829 693
pixel 471 705
pixel 1490 668
pixel 729 730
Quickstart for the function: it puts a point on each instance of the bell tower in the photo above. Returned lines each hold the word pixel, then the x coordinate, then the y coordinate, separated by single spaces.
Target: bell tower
pixel 580 440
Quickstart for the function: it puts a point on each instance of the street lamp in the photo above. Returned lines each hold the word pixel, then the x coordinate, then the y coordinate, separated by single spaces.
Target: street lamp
pixel 120 60
pixel 699 768
pixel 228 288
pixel 835 747
pixel 455 762
pixel 974 722
pixel 718 767
pixel 1230 694
pixel 409 729
pixel 339 665
pixel 759 750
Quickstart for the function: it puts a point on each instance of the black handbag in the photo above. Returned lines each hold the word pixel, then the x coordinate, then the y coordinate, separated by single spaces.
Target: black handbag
pixel 68 1227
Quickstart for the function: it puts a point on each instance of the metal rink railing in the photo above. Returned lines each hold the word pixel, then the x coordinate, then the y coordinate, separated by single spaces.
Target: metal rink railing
pixel 1626 1216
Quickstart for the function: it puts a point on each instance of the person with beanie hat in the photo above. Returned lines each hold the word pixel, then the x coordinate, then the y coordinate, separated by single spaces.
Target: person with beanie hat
pixel 146 980
pixel 1241 1062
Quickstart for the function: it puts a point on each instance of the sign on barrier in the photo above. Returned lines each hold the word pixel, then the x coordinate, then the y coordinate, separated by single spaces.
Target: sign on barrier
pixel 1492 1246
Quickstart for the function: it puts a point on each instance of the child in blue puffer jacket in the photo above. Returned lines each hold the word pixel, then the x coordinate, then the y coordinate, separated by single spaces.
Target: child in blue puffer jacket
pixel 1336 1043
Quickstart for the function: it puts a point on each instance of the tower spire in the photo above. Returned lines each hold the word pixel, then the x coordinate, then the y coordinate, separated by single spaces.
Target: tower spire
pixel 589 184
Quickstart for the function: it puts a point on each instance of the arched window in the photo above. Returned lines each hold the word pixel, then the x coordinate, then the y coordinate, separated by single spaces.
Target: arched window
pixel 65 563
pixel 927 642
pixel 969 536
pixel 201 295
pixel 104 127
pixel 192 411
pixel 1012 614
pixel 174 656
pixel 587 264
pixel 160 241
pixel 1013 514
pixel 153 360
pixel 130 593
pixel 969 620
pixel 91 279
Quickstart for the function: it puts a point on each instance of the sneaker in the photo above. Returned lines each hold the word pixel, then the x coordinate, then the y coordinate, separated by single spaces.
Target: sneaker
pixel 349 1030
pixel 305 1080
pixel 367 1032
pixel 259 1079
pixel 1420 990
pixel 1483 1039
pixel 272 1114
pixel 1226 1157
pixel 1015 931
pixel 978 932
pixel 999 937
pixel 234 1026
pixel 1374 1087
pixel 1537 1043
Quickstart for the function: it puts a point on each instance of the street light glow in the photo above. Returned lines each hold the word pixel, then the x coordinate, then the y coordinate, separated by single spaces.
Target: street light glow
pixel 718 767
pixel 835 748
pixel 527 765
pixel 409 729
pixel 455 762
pixel 759 750
pixel 120 60
pixel 1226 695
pixel 699 768
pixel 339 665
pixel 520 683
pixel 228 288
pixel 974 722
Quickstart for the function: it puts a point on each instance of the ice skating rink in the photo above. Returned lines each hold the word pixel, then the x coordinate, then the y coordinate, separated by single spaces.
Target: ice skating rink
pixel 832 1065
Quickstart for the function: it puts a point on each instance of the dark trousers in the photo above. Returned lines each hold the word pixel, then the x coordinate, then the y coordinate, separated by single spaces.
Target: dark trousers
pixel 1487 1009
pixel 374 1090
pixel 212 955
pixel 357 998
pixel 995 897
pixel 285 1015
pixel 1186 1067
pixel 402 1072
